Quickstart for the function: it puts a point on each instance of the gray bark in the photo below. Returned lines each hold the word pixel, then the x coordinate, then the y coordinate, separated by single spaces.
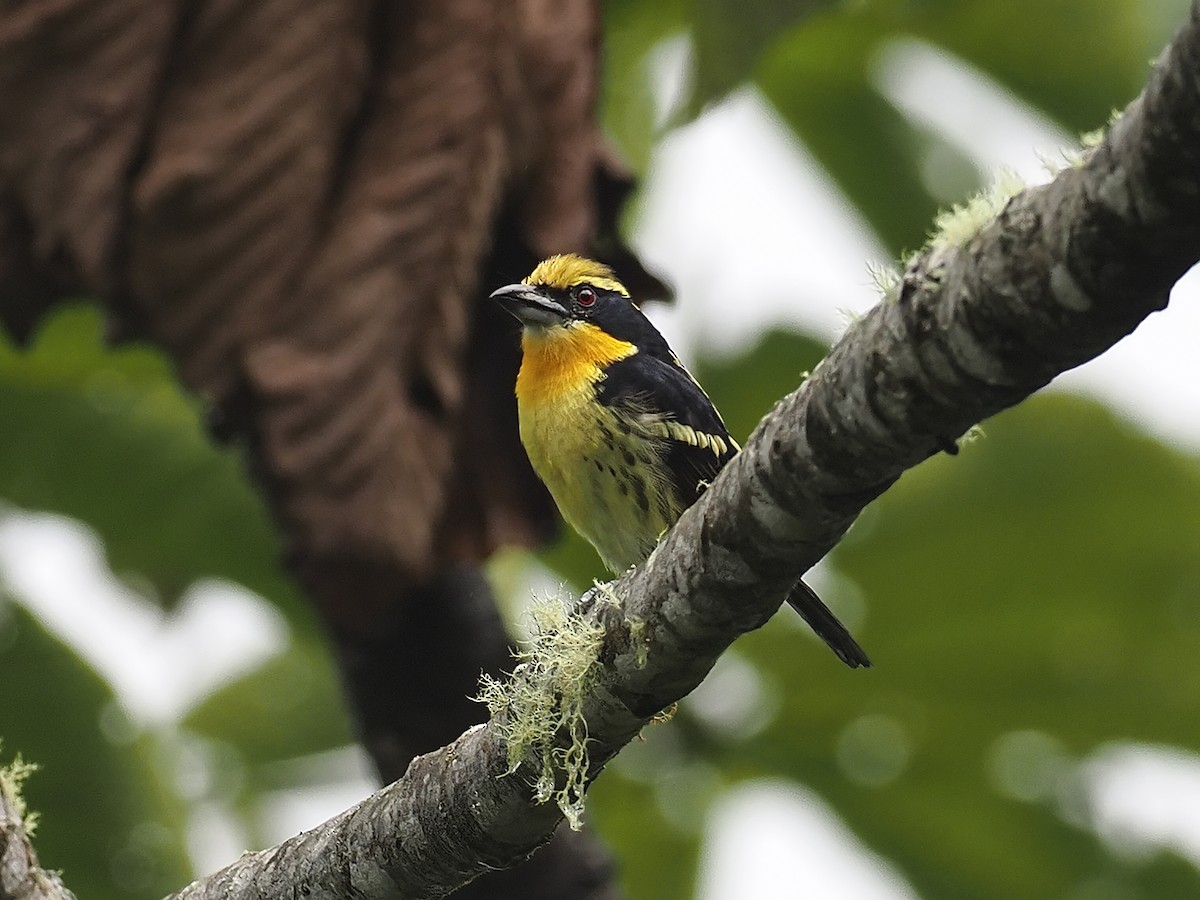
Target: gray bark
pixel 1061 274
pixel 21 878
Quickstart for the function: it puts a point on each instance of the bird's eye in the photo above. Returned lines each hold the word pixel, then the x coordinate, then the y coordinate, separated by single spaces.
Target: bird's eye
pixel 586 297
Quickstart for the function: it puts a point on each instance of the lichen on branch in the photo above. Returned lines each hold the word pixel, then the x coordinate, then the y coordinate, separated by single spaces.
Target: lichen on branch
pixel 539 709
pixel 21 878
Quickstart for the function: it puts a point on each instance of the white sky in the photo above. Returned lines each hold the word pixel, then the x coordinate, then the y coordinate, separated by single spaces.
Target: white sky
pixel 728 197
pixel 774 840
pixel 159 665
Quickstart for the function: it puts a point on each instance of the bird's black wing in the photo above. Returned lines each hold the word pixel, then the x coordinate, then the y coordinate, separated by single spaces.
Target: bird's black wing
pixel 663 395
pixel 665 401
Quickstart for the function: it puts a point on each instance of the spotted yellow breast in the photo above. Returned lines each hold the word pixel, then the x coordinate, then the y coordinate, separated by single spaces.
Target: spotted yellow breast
pixel 601 469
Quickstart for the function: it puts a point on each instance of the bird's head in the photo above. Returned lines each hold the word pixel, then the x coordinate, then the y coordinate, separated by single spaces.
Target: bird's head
pixel 569 294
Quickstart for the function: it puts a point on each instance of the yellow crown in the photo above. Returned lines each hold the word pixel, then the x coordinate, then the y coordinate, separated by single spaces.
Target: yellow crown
pixel 567 270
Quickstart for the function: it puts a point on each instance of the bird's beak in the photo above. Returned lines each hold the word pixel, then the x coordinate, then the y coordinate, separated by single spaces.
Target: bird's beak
pixel 530 305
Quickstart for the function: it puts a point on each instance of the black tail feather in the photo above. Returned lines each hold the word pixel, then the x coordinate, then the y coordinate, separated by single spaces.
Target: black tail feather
pixel 805 601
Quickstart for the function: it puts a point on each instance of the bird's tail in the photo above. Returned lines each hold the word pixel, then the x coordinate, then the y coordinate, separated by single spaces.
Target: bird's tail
pixel 805 601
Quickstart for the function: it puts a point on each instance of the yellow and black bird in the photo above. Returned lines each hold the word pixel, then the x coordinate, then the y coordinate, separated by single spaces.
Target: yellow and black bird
pixel 620 432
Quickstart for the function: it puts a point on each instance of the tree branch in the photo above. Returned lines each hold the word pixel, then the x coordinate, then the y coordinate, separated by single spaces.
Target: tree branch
pixel 21 878
pixel 1061 274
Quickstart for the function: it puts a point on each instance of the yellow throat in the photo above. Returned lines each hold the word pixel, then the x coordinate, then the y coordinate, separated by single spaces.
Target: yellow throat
pixel 560 363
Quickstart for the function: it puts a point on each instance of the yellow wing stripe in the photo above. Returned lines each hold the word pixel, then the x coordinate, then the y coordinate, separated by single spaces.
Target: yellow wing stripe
pixel 686 434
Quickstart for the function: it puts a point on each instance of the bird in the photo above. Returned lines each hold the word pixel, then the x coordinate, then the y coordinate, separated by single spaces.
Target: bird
pixel 619 431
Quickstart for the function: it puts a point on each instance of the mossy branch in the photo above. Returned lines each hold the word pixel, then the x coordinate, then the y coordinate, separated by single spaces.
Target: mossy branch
pixel 1047 279
pixel 21 878
pixel 1007 295
pixel 539 710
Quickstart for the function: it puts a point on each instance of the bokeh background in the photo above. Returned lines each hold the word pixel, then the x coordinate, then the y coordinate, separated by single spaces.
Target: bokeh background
pixel 1032 606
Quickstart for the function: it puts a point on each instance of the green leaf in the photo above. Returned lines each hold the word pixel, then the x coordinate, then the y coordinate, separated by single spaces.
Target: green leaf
pixel 1075 60
pixel 107 436
pixel 819 81
pixel 287 708
pixel 1072 59
pixel 106 816
pixel 632 31
pixel 658 858
pixel 729 38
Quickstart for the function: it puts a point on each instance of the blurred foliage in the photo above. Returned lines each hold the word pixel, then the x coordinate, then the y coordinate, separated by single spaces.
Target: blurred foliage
pixel 50 713
pixel 297 692
pixel 728 37
pixel 816 62
pixel 144 475
pixel 1026 602
pixel 107 437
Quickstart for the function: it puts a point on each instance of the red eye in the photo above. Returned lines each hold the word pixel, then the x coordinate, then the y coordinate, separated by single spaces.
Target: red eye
pixel 586 297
